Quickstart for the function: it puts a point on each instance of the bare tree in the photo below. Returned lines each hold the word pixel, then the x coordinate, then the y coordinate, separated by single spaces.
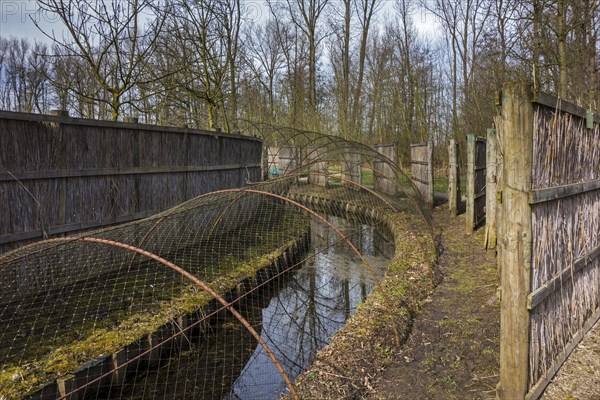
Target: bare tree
pixel 116 39
pixel 347 69
pixel 24 68
pixel 464 23
pixel 306 15
pixel 265 58
pixel 366 10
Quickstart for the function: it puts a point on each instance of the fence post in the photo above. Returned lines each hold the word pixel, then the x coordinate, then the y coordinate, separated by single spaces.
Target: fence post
pixel 470 214
pixel 515 255
pixel 430 198
pixel 489 241
pixel 453 178
pixel 498 122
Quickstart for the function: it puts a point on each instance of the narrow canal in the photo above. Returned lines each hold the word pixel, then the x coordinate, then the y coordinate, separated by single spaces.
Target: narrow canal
pixel 296 315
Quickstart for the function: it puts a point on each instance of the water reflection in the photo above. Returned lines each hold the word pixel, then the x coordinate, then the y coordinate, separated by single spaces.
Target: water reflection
pixel 314 305
pixel 296 316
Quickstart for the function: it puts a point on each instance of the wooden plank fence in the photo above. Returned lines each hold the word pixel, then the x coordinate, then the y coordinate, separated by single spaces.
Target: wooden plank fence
pixel 289 158
pixel 549 254
pixel 476 182
pixel 385 179
pixel 421 166
pixel 59 175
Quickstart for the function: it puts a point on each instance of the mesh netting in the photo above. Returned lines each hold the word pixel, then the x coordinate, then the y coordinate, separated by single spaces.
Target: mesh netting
pixel 228 295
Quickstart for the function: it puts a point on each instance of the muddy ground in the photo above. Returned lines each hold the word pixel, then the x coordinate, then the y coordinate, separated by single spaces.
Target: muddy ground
pixel 453 350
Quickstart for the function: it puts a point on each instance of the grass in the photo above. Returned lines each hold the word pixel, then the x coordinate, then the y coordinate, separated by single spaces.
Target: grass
pixel 440 184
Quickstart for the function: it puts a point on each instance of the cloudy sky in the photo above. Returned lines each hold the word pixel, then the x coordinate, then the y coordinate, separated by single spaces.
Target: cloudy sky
pixel 17 16
pixel 16 19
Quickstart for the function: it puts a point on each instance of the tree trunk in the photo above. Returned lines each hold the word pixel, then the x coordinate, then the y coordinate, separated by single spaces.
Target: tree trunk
pixel 562 49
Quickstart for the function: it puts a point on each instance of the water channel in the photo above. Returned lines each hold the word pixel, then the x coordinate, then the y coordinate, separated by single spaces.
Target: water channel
pixel 296 315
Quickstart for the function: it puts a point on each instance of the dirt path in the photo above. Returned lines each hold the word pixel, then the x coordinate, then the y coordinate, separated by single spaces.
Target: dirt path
pixel 453 351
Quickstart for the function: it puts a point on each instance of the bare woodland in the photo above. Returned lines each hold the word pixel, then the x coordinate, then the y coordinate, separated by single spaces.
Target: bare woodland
pixel 360 69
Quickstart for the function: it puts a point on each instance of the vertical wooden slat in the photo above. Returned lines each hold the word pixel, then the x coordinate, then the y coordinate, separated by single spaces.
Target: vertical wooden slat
pixel 385 175
pixel 490 206
pixel 352 169
pixel 515 260
pixel 453 178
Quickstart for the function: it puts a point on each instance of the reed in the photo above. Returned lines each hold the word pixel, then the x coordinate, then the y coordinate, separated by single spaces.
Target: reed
pixel 564 230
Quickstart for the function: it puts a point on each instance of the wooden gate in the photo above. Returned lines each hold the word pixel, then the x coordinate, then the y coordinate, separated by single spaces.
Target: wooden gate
pixel 476 179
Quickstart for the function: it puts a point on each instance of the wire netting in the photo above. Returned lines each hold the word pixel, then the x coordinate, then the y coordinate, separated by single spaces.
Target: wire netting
pixel 228 295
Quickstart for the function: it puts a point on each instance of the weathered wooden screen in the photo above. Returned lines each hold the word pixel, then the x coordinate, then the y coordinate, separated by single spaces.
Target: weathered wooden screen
pixel 289 158
pixel 550 246
pixel 316 158
pixel 384 175
pixel 476 178
pixel 352 169
pixel 59 175
pixel 421 167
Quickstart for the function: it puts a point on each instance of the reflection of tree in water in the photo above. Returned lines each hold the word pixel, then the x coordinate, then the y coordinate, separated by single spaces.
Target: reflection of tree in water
pixel 315 304
pixel 296 315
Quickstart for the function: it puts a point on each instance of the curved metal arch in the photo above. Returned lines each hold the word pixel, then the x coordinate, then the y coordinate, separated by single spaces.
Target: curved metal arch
pixel 198 283
pixel 375 155
pixel 380 197
pixel 314 214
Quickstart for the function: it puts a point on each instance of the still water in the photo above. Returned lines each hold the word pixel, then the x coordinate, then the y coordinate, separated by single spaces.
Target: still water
pixel 296 316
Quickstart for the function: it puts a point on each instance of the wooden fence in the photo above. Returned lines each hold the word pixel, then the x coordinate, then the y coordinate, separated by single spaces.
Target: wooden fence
pixel 549 252
pixel 421 166
pixel 385 179
pixel 59 175
pixel 476 179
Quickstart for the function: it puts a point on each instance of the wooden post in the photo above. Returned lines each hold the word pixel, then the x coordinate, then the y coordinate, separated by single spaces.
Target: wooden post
pixel 265 162
pixel 470 215
pixel 515 243
pixel 430 177
pixel 498 122
pixel 453 185
pixel 489 241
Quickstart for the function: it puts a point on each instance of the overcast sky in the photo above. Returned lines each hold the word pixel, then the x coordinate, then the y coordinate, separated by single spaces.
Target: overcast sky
pixel 16 18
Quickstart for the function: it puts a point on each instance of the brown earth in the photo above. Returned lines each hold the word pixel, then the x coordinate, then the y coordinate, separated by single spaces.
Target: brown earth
pixel 453 349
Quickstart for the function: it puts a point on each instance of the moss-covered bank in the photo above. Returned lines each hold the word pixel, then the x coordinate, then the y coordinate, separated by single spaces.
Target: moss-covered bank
pixel 100 344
